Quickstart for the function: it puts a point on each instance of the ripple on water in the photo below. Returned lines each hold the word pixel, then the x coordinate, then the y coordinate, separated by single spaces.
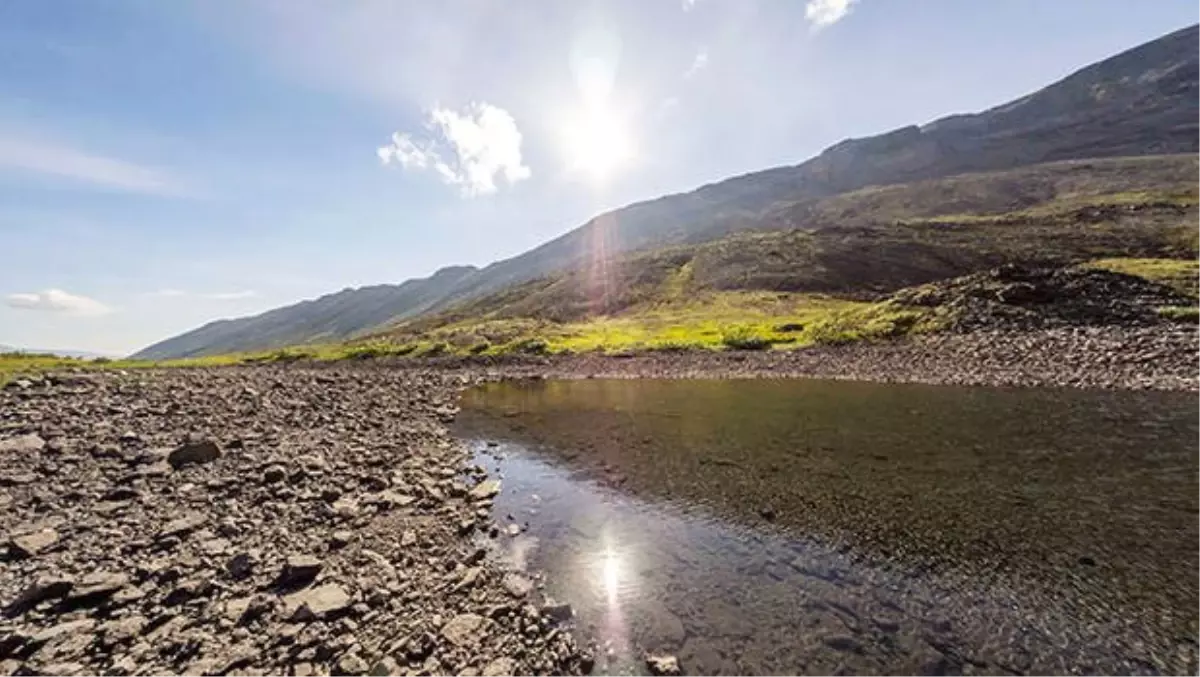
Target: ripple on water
pixel 919 529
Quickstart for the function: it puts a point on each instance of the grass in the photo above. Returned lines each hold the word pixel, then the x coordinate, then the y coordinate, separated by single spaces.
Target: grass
pixel 708 320
pixel 1180 275
pixel 1187 314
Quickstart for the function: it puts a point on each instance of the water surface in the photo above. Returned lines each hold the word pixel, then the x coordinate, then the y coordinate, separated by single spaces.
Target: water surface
pixel 826 527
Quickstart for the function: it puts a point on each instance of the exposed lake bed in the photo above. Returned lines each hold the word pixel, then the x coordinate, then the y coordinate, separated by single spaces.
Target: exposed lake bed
pixel 821 527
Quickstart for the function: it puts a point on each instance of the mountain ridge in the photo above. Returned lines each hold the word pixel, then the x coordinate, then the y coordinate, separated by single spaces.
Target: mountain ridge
pixel 1139 102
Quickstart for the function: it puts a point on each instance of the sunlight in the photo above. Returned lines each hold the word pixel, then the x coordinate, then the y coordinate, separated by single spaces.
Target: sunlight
pixel 596 143
pixel 612 574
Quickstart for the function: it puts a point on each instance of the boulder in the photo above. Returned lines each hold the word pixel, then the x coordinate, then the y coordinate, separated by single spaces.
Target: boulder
pixel 23 444
pixel 42 589
pixel 464 629
pixel 195 452
pixel 318 603
pixel 32 544
pixel 299 570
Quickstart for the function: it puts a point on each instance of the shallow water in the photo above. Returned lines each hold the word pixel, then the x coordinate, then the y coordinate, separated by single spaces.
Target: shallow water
pixel 828 527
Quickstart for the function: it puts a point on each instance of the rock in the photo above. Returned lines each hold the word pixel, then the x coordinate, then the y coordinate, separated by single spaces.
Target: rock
pixel 408 539
pixel 351 664
pixel 340 539
pixel 559 612
pixel 182 526
pixel 463 629
pixel 767 513
pixel 42 589
pixel 843 643
pixel 196 452
pixel 499 667
pixel 32 544
pixel 273 473
pixel 23 444
pixel 299 570
pixel 240 566
pixel 469 578
pixel 318 603
pixel 384 667
pixel 96 586
pixel 485 489
pixel 663 664
pixel 513 530
pixel 517 585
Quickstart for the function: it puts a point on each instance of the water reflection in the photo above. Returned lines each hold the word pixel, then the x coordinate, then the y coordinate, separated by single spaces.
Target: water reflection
pixel 643 503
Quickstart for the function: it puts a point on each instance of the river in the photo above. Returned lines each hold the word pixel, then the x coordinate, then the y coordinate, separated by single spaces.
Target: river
pixel 806 526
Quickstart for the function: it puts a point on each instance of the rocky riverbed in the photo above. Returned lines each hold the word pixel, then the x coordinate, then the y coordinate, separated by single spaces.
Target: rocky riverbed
pixel 1162 357
pixel 255 521
pixel 314 519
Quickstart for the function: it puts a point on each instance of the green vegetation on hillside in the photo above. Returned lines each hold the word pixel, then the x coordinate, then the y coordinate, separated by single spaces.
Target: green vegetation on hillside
pixel 1180 275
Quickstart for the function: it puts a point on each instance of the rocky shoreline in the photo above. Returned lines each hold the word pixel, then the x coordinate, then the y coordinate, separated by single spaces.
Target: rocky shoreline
pixel 1162 357
pixel 312 519
pixel 254 521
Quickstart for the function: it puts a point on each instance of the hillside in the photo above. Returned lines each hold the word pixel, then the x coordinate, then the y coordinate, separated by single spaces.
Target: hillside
pixel 327 318
pixel 1140 102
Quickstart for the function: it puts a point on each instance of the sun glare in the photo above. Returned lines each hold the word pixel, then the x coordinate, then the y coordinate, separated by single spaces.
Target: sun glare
pixel 597 144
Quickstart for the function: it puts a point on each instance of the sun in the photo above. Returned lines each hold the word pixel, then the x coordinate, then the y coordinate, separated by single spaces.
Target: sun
pixel 597 144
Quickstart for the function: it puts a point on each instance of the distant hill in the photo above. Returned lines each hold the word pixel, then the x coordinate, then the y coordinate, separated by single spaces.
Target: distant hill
pixel 82 354
pixel 1137 103
pixel 327 318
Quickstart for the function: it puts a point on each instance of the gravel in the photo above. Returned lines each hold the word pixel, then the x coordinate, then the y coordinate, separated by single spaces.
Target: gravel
pixel 253 521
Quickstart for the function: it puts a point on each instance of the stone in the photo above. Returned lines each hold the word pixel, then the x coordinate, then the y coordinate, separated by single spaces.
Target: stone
pixel 384 667
pixel 23 444
pixel 663 664
pixel 33 544
pixel 182 526
pixel 767 513
pixel 351 664
pixel 96 586
pixel 485 489
pixel 513 530
pixel 469 578
pixel 408 539
pixel 196 452
pixel 559 612
pixel 42 589
pixel 500 667
pixel 843 643
pixel 463 629
pixel 273 473
pixel 240 566
pixel 299 570
pixel 340 538
pixel 517 585
pixel 318 603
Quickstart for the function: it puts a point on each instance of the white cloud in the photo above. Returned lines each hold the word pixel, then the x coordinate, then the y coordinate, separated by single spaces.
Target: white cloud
pixel 699 63
pixel 689 5
pixel 470 150
pixel 52 159
pixel 824 13
pixel 58 301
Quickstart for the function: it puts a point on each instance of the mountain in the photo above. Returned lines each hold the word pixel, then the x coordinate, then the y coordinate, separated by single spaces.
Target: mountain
pixel 327 318
pixel 1140 102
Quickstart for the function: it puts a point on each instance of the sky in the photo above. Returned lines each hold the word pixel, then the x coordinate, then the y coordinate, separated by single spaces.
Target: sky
pixel 165 164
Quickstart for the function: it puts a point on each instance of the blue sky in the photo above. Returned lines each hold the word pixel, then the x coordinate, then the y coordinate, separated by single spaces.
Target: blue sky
pixel 164 164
